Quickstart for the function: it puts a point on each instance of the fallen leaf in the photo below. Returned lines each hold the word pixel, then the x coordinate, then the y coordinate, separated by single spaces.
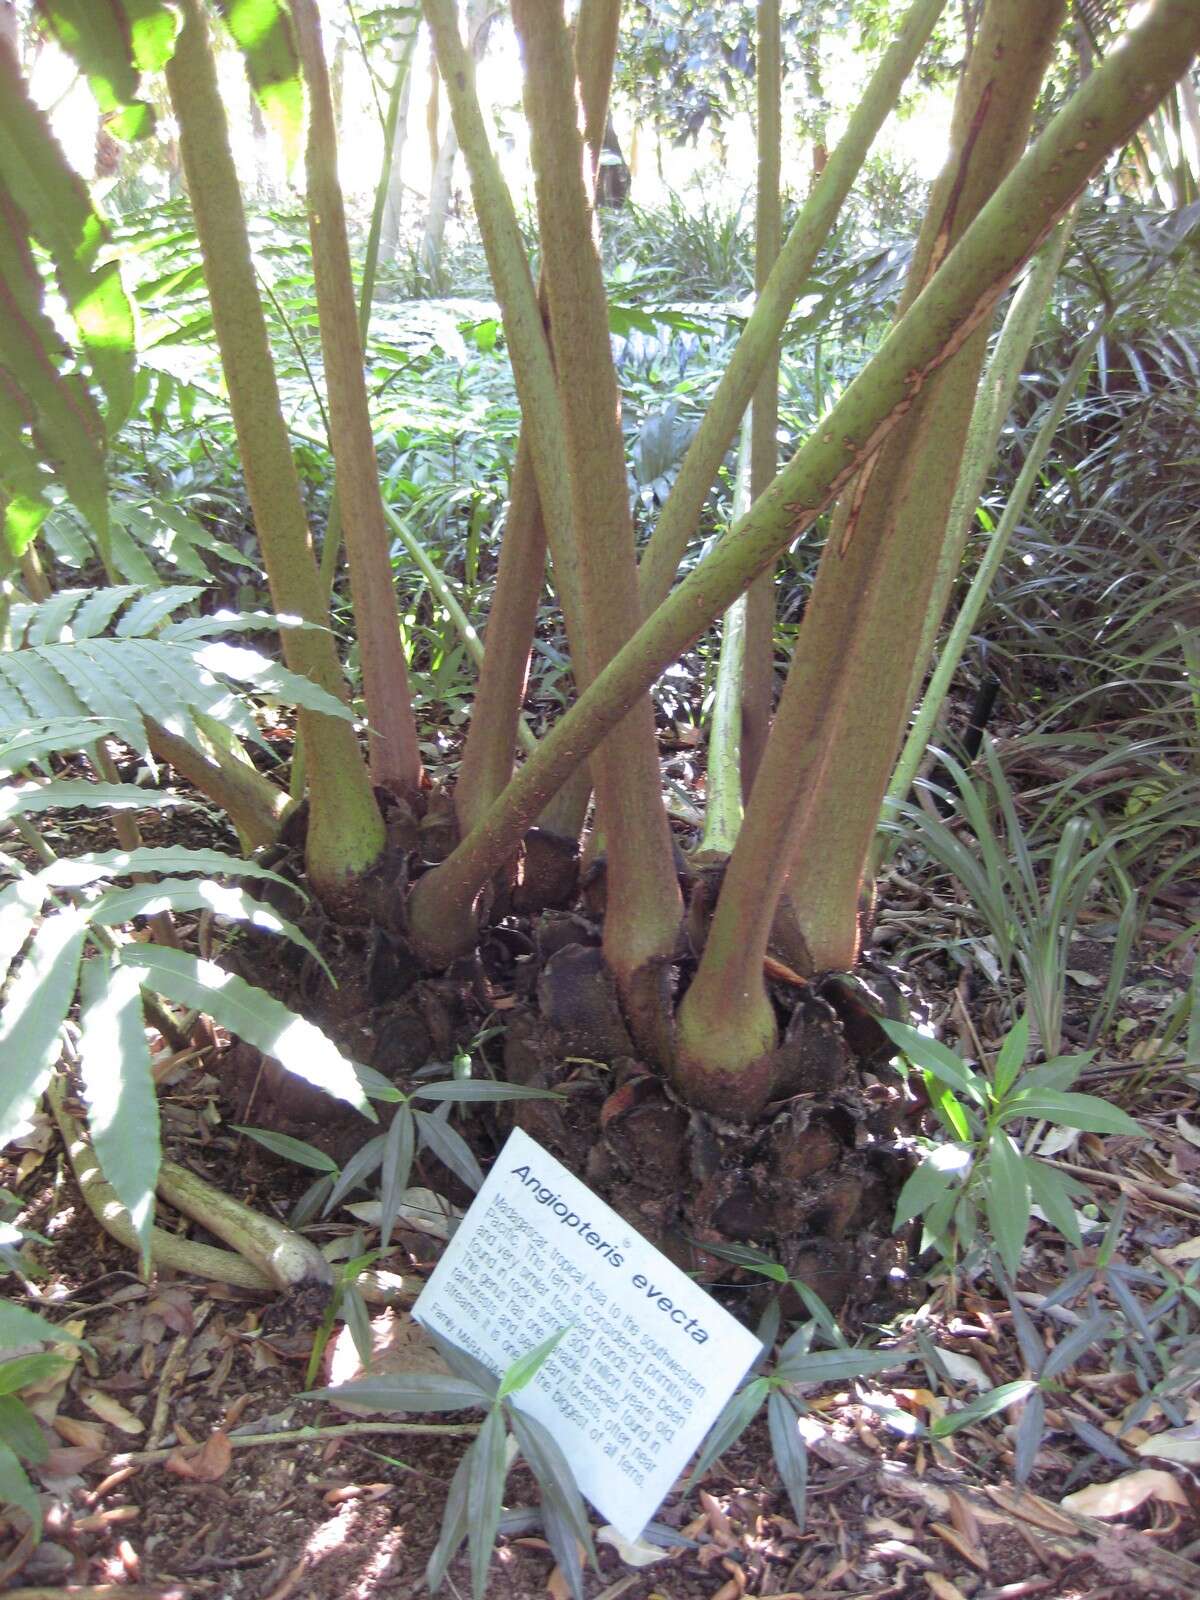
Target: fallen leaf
pixel 1178 1444
pixel 78 1431
pixel 1122 1495
pixel 634 1553
pixel 943 1588
pixel 966 1548
pixel 111 1411
pixel 204 1464
pixel 964 1369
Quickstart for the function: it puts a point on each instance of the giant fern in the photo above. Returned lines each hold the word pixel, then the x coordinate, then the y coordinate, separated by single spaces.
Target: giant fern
pixel 80 666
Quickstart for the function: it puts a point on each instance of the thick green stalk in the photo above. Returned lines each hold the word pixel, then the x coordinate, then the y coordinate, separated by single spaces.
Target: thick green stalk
pixel 960 634
pixel 487 759
pixel 961 298
pixel 394 754
pixel 644 907
pixel 254 804
pixel 760 338
pixel 849 715
pixel 487 755
pixel 992 405
pixel 529 346
pixel 758 669
pixel 345 833
pixel 723 795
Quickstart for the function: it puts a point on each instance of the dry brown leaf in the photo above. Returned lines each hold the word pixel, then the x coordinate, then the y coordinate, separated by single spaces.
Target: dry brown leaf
pixel 1032 1508
pixel 719 1524
pixel 556 1584
pixel 1122 1495
pixel 77 1430
pixel 112 1411
pixel 943 1588
pixel 66 1460
pixel 967 1548
pixel 962 1516
pixel 206 1464
pixel 900 1550
pixel 1188 1251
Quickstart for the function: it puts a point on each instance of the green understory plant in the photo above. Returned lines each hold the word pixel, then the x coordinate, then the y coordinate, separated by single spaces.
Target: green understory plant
pixel 22 1441
pixel 781 1389
pixel 474 1504
pixel 981 1171
pixel 1029 884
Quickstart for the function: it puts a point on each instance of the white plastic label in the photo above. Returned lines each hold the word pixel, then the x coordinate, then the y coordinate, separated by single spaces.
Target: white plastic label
pixel 649 1359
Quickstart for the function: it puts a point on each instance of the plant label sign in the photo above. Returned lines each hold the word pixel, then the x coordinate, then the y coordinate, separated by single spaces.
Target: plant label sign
pixel 649 1358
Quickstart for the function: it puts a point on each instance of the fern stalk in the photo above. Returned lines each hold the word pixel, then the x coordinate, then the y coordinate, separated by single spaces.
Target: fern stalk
pixel 394 754
pixel 345 834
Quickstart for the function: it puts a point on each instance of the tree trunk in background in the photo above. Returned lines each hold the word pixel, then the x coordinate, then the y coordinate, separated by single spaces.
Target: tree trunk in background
pixel 389 237
pixel 479 23
pixel 10 31
pixel 612 181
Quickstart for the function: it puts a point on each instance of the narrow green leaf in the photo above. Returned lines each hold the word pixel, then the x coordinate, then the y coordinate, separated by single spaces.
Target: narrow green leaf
pixel 791 1454
pixel 478 1089
pixel 1085 1111
pixel 171 859
pixel 834 1366
pixel 27 799
pixel 942 1167
pixel 266 677
pixel 251 1014
pixel 741 1255
pixel 16 1489
pixel 1007 1198
pixel 454 1526
pixel 1011 1056
pixel 1030 1428
pixel 413 1391
pixel 1060 1073
pixel 21 1371
pixel 20 1326
pixel 934 1057
pixel 20 906
pixel 987 1405
pixel 398 1146
pixel 553 1472
pixel 282 1144
pixel 525 1368
pixel 38 998
pixel 118 1086
pixel 952 1114
pixel 485 1496
pixel 560 1536
pixel 20 1431
pixel 450 1148
pixel 190 894
pixel 1053 1192
pixel 1074 1345
pixel 365 1160
pixel 739 1412
pixel 358 1319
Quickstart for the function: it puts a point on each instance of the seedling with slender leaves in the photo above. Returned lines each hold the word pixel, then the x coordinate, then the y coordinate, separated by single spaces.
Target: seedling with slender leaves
pixel 982 1168
pixel 781 1389
pixel 475 1502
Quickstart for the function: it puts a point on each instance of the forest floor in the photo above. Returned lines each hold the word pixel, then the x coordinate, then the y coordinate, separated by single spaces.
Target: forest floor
pixel 182 1465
